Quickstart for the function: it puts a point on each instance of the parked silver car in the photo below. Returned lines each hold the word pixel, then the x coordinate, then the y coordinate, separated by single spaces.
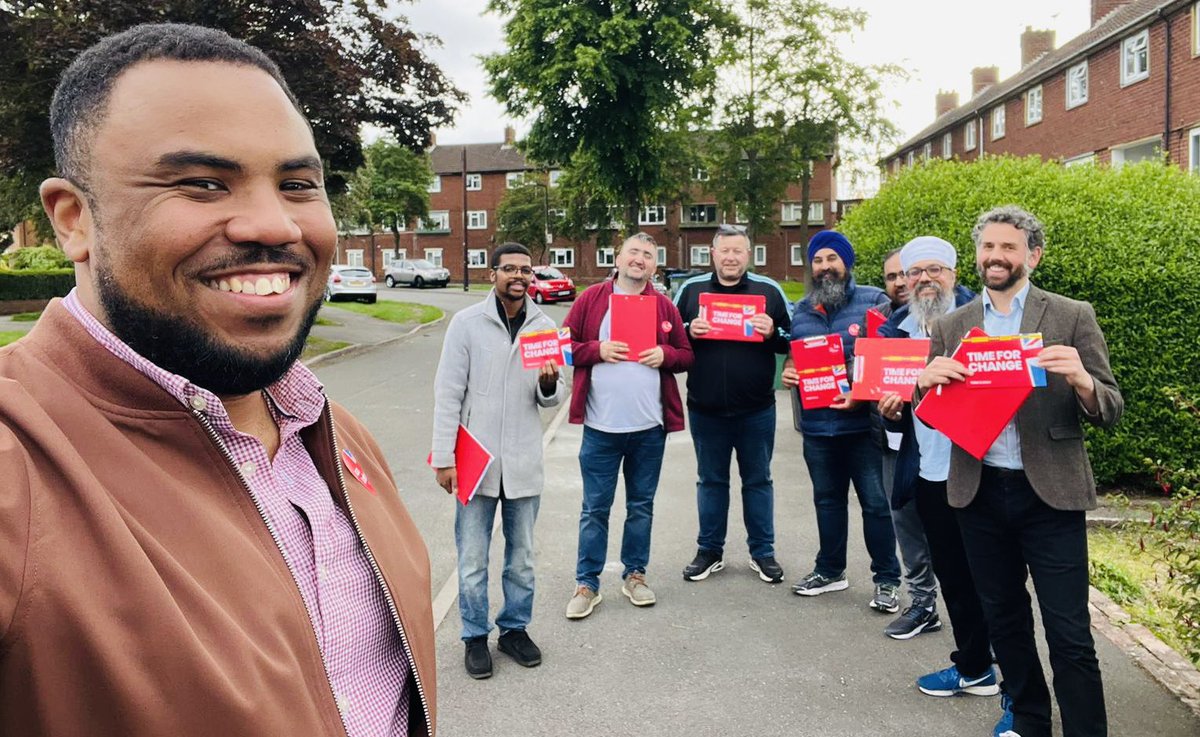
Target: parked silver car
pixel 350 282
pixel 416 273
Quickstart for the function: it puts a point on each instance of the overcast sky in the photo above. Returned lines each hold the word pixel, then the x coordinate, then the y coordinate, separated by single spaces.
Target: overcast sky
pixel 938 41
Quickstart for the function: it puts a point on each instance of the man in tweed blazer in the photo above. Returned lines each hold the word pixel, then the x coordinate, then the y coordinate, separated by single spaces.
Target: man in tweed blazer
pixel 1021 509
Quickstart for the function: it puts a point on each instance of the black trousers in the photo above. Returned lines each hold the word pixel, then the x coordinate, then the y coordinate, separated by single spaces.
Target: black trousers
pixel 973 655
pixel 1009 533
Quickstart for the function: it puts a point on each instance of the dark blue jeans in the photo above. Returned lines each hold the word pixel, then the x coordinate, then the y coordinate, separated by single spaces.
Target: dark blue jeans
pixel 833 462
pixel 752 438
pixel 601 455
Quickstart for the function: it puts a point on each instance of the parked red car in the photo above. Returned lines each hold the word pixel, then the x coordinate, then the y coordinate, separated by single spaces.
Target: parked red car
pixel 550 285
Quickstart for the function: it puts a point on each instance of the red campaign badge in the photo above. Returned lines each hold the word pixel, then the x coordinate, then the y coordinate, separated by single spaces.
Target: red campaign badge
pixel 356 470
pixel 666 326
pixel 854 330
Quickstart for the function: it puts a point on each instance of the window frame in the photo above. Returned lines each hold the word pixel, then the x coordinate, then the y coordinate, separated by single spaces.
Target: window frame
pixel 435 186
pixel 700 255
pixel 1127 77
pixel 513 179
pixel 354 257
pixel 706 205
pixel 1194 151
pixel 568 263
pixel 390 257
pixel 660 253
pixel 1083 98
pixel 480 218
pixel 927 150
pixel 970 135
pixel 999 116
pixel 1029 105
pixel 474 182
pixel 482 264
pixel 910 158
pixel 606 257
pixel 645 219
pixel 423 224
pixel 947 145
pixel 760 254
pixel 796 253
pixel 434 256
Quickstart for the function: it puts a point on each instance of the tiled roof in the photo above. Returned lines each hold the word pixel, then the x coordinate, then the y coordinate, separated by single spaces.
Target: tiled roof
pixel 481 158
pixel 1116 24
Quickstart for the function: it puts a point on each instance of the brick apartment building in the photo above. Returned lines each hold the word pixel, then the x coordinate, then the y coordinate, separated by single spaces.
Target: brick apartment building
pixel 684 232
pixel 1125 90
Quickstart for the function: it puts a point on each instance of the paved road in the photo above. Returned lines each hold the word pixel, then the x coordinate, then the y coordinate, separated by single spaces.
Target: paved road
pixel 730 655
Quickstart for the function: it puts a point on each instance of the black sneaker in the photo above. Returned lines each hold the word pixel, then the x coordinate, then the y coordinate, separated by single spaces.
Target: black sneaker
pixel 886 599
pixel 767 569
pixel 912 622
pixel 705 562
pixel 517 645
pixel 478 660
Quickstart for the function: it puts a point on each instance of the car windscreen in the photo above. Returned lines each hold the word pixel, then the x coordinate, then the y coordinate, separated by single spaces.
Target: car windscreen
pixel 355 273
pixel 549 274
pixel 422 264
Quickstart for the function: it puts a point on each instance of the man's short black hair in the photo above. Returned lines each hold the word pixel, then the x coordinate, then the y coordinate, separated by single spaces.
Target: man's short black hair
pixel 81 98
pixel 889 254
pixel 506 248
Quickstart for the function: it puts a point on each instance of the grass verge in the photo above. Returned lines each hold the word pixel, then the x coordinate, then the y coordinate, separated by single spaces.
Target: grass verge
pixel 322 320
pixel 403 312
pixel 25 317
pixel 314 347
pixel 794 290
pixel 1136 579
pixel 8 336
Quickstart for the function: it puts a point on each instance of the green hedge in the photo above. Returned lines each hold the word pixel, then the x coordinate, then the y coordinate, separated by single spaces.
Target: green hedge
pixel 1126 241
pixel 30 284
pixel 38 258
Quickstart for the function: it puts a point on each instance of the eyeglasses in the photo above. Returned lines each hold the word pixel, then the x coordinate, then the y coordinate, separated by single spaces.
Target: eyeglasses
pixel 933 270
pixel 509 269
pixel 894 276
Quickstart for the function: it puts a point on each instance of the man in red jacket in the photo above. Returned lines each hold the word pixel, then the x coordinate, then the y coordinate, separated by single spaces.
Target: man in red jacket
pixel 627 405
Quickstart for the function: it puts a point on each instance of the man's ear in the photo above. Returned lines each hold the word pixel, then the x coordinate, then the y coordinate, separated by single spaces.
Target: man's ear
pixel 1035 257
pixel 71 216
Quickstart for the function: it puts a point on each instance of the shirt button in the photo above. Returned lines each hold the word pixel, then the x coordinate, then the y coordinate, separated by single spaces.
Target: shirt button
pixel 343 704
pixel 248 468
pixel 198 403
pixel 322 572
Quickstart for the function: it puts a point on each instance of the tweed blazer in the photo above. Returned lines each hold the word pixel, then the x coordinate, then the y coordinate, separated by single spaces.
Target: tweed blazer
pixel 1050 421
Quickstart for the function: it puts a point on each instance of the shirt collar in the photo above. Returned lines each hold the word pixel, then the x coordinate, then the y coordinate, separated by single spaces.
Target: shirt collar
pixel 297 394
pixel 1018 301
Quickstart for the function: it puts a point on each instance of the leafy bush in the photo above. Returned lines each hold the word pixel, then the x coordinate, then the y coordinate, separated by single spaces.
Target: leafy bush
pixel 39 258
pixel 1126 241
pixel 30 284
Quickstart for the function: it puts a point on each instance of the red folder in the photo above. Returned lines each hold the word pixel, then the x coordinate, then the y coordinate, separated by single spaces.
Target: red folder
pixel 887 365
pixel 729 315
pixel 472 461
pixel 971 417
pixel 632 321
pixel 875 320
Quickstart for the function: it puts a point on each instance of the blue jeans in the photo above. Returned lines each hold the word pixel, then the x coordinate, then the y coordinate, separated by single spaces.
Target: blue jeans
pixel 752 438
pixel 601 454
pixel 833 462
pixel 473 538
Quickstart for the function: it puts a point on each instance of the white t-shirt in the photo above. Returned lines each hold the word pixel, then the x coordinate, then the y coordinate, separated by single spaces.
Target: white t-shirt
pixel 625 396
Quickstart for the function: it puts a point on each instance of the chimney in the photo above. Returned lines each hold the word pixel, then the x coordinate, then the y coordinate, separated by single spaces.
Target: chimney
pixel 982 78
pixel 1035 44
pixel 946 101
pixel 1101 8
pixel 510 135
pixel 432 139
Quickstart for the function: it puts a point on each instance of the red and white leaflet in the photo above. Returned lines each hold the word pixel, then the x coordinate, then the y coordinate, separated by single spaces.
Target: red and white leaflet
pixel 821 363
pixel 729 315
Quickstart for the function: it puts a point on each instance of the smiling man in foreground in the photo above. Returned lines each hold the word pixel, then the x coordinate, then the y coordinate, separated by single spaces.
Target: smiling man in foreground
pixel 193 539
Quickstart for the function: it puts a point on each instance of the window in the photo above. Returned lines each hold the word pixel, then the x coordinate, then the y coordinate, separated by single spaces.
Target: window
pixel 434 256
pixel 660 255
pixel 476 219
pixel 699 174
pixel 947 147
pixel 553 177
pixel 1131 153
pixel 354 257
pixel 605 256
pixel 438 220
pixel 474 182
pixel 896 165
pixel 1135 58
pixel 477 258
pixel 1080 160
pixel 700 256
pixel 927 151
pixel 1077 85
pixel 562 257
pixel 760 255
pixel 1033 105
pixel 514 179
pixel 797 254
pixel 653 215
pixel 969 136
pixel 390 257
pixel 436 184
pixel 791 212
pixel 1196 29
pixel 1194 151
pixel 998 122
pixel 910 158
pixel 700 214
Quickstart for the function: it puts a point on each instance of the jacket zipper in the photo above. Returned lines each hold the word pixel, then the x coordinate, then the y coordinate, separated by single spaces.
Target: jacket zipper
pixel 387 594
pixel 212 433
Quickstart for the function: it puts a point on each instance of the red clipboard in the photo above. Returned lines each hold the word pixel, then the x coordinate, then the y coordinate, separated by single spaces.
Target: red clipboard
pixel 632 321
pixel 887 365
pixel 875 320
pixel 471 461
pixel 971 417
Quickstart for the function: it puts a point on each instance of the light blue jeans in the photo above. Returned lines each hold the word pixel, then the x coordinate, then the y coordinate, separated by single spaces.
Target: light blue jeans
pixel 473 538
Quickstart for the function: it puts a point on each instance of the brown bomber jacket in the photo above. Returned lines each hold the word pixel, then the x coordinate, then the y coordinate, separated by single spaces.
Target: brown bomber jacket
pixel 141 593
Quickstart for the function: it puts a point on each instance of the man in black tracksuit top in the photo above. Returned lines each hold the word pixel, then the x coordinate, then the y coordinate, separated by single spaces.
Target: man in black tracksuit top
pixel 731 408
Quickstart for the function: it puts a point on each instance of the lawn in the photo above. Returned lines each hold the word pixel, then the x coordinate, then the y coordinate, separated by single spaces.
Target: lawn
pixel 8 336
pixel 25 316
pixel 1134 579
pixel 794 290
pixel 402 312
pixel 315 346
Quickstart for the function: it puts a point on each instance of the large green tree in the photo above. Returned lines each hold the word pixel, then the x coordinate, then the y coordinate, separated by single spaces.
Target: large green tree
pixel 789 98
pixel 607 83
pixel 348 61
pixel 390 189
pixel 529 213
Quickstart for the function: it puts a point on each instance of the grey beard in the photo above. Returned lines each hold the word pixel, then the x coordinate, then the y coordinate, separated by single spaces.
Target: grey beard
pixel 829 292
pixel 927 308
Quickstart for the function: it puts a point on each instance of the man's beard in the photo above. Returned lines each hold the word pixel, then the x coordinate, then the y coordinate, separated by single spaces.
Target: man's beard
pixel 1014 275
pixel 829 290
pixel 176 344
pixel 927 307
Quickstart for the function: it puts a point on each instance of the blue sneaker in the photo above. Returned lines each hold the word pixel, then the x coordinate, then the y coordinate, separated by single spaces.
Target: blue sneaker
pixel 1004 727
pixel 950 682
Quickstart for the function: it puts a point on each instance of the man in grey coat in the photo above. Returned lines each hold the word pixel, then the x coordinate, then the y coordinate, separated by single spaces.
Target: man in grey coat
pixel 482 385
pixel 1021 510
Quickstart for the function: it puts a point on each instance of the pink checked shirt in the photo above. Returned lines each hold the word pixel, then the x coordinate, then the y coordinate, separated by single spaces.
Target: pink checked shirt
pixel 364 658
